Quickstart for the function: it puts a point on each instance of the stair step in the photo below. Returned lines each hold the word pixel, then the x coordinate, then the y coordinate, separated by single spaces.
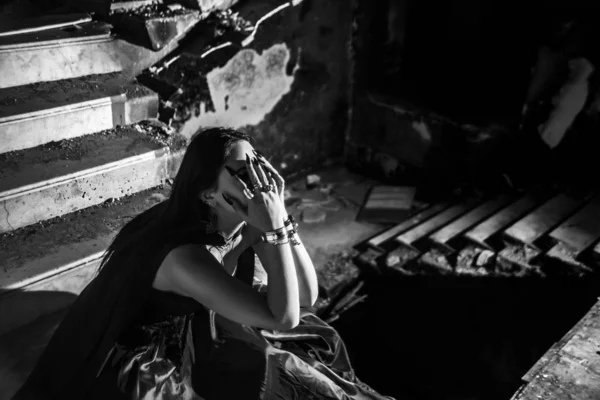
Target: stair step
pixel 154 26
pixel 49 181
pixel 44 266
pixel 106 7
pixel 71 52
pixel 208 5
pixel 40 113
pixel 43 23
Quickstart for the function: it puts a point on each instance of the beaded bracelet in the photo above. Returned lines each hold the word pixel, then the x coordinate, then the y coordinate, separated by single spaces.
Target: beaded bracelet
pixel 293 237
pixel 290 222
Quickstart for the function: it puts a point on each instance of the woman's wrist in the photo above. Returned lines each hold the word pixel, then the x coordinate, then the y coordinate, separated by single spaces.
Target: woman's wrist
pixel 283 233
pixel 277 222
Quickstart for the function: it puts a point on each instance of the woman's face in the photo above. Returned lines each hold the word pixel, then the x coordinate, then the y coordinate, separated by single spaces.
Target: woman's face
pixel 227 184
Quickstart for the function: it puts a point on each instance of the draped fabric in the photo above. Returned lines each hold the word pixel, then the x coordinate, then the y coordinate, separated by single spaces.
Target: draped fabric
pixel 136 342
pixel 113 299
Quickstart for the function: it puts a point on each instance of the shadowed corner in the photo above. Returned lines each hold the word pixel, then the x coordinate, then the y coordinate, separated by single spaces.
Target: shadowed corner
pixel 473 337
pixel 25 340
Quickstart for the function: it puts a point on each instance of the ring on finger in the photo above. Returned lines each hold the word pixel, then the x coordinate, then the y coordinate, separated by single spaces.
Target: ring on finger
pixel 268 188
pixel 257 186
pixel 248 193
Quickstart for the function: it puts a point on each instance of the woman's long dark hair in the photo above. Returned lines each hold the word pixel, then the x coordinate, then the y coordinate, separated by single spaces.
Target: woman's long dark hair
pixel 182 211
pixel 82 342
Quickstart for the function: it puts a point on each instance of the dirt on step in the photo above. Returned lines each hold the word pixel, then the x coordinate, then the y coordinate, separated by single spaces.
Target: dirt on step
pixel 146 135
pixel 104 219
pixel 44 95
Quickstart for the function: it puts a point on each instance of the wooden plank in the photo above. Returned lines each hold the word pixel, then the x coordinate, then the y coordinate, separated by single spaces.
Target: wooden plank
pixel 536 224
pixel 482 232
pixel 581 230
pixel 377 240
pixel 420 231
pixel 562 260
pixel 442 237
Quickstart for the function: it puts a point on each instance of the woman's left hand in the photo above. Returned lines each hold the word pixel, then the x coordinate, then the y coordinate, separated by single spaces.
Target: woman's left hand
pixel 274 174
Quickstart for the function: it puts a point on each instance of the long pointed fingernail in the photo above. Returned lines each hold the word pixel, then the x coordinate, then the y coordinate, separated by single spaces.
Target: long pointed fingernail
pixel 230 170
pixel 247 158
pixel 258 153
pixel 255 161
pixel 226 199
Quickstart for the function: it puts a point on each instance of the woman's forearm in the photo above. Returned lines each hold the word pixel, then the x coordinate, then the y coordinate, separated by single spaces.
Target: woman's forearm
pixel 306 275
pixel 282 292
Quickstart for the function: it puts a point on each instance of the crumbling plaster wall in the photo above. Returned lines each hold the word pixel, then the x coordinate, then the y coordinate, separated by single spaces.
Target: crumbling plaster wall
pixel 288 88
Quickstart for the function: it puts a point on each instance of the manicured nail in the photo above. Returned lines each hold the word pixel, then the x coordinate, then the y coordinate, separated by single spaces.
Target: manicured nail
pixel 255 161
pixel 247 158
pixel 259 154
pixel 227 200
pixel 230 170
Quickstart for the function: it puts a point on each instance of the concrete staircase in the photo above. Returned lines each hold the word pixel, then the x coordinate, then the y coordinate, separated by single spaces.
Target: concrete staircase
pixel 81 153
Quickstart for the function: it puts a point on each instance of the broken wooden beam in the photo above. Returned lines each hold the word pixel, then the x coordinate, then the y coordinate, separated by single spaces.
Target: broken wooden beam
pixel 562 260
pixel 518 260
pixel 377 240
pixel 435 262
pixel 536 224
pixel 581 230
pixel 421 231
pixel 482 233
pixel 443 237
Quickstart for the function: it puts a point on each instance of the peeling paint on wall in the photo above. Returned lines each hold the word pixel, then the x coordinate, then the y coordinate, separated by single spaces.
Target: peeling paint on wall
pixel 245 89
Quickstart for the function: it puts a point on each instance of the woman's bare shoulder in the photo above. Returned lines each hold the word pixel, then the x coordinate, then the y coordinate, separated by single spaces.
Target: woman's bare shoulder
pixel 181 257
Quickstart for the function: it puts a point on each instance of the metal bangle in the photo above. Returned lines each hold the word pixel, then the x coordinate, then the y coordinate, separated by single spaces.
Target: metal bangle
pixel 277 234
pixel 279 242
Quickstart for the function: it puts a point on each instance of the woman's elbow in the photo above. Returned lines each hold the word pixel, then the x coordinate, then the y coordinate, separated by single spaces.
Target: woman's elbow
pixel 289 322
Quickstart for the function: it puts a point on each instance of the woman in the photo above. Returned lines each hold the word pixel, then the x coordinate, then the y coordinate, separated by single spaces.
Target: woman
pixel 175 313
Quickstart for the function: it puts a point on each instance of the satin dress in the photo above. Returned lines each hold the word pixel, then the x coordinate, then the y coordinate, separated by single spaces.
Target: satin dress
pixel 178 349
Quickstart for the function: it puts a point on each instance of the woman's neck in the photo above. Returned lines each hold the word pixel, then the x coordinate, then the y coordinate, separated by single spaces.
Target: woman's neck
pixel 227 227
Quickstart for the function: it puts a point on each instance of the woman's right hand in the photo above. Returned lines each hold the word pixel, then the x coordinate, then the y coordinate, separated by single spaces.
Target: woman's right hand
pixel 265 211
